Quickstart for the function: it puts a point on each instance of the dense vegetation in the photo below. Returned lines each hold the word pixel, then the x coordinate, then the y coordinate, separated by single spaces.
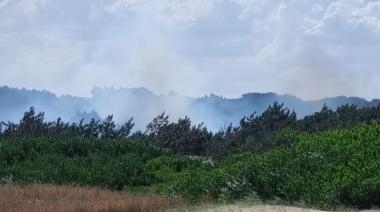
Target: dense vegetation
pixel 327 159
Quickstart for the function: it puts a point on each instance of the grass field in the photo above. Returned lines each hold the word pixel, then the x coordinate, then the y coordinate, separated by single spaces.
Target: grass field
pixel 36 198
pixel 51 198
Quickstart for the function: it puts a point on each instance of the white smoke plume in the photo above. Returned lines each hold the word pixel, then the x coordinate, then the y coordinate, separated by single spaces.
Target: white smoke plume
pixel 309 48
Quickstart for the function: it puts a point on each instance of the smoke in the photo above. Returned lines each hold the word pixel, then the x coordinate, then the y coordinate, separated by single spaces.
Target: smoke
pixel 148 57
pixel 311 49
pixel 318 76
pixel 139 103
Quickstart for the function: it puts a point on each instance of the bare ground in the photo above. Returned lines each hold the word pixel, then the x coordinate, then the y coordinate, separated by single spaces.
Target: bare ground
pixel 262 208
pixel 270 208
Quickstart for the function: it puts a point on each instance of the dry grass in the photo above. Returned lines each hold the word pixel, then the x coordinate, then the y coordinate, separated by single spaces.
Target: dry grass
pixel 67 198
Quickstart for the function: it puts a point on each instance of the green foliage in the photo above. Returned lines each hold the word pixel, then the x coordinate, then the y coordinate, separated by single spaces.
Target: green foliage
pixel 34 125
pixel 80 161
pixel 180 137
pixel 340 167
pixel 328 159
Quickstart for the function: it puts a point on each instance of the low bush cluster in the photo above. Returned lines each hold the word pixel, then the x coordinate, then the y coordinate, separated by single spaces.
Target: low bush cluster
pixel 340 167
pixel 327 169
pixel 328 159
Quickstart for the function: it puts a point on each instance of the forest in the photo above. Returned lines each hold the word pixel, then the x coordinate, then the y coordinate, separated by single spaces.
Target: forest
pixel 326 160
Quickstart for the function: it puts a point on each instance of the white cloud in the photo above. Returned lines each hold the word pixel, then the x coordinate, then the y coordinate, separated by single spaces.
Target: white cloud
pixel 178 13
pixel 29 7
pixel 193 46
pixel 43 61
pixel 12 12
pixel 359 20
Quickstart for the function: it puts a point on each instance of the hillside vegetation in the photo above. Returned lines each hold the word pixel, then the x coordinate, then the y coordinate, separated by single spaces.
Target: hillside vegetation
pixel 143 104
pixel 327 160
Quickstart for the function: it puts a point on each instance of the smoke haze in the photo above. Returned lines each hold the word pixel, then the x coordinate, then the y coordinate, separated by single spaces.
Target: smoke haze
pixel 307 48
pixel 216 112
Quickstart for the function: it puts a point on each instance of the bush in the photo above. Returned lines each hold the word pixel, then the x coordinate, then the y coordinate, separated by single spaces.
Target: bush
pixel 326 170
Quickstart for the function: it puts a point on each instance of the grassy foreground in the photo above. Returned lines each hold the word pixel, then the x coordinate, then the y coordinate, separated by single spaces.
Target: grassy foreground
pixel 36 198
pixel 45 197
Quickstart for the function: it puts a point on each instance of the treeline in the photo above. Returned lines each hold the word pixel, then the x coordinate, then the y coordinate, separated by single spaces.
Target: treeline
pixel 326 170
pixel 33 124
pixel 255 133
pixel 326 160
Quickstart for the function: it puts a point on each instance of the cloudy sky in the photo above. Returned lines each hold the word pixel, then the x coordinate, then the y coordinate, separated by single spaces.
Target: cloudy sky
pixel 309 48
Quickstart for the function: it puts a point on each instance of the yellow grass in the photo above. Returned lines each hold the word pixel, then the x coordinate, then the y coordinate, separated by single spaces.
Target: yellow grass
pixel 42 198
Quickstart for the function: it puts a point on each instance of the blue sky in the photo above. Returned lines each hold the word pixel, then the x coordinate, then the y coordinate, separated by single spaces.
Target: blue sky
pixel 308 48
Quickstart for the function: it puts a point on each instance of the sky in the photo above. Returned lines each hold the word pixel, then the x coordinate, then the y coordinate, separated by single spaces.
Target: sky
pixel 308 48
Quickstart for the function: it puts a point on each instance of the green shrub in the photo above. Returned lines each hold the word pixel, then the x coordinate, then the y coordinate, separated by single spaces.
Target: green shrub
pixel 326 170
